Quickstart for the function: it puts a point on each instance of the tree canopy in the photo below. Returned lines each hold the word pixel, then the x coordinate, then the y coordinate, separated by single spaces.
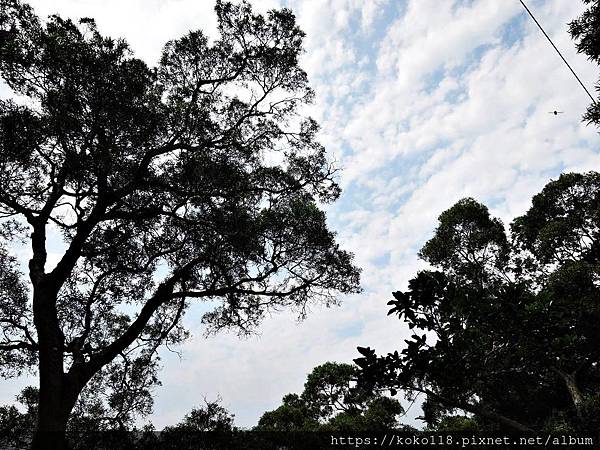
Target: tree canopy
pixel 88 426
pixel 331 401
pixel 505 324
pixel 198 179
pixel 211 416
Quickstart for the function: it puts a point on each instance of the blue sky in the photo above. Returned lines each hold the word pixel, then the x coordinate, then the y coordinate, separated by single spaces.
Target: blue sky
pixel 421 102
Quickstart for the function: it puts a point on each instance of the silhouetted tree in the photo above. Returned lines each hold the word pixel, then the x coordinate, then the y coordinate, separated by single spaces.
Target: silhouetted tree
pixel 16 427
pixel 331 402
pixel 87 421
pixel 506 330
pixel 212 416
pixel 294 414
pixel 200 428
pixel 194 180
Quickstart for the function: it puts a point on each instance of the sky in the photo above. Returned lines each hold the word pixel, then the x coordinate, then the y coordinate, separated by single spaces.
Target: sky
pixel 421 103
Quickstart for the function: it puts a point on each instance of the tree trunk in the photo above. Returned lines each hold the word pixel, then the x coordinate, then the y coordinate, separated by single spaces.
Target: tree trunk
pixel 56 401
pixel 57 393
pixel 50 433
pixel 571 383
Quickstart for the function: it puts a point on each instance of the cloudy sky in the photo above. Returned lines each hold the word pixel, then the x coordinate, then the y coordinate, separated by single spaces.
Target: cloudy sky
pixel 422 102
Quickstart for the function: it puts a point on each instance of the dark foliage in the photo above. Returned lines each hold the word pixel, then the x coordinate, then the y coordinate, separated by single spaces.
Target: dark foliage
pixel 194 180
pixel 506 330
pixel 211 416
pixel 332 402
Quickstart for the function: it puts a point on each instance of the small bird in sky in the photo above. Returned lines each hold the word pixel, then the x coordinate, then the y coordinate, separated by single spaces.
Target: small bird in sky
pixel 556 113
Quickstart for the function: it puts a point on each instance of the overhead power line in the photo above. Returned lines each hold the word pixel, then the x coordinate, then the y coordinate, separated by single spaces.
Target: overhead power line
pixel 557 51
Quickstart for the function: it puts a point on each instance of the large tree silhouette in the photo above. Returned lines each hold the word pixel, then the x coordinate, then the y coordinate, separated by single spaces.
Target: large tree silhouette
pixel 194 180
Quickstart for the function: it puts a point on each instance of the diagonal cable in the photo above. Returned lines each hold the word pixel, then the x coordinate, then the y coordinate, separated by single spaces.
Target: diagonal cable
pixel 557 50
